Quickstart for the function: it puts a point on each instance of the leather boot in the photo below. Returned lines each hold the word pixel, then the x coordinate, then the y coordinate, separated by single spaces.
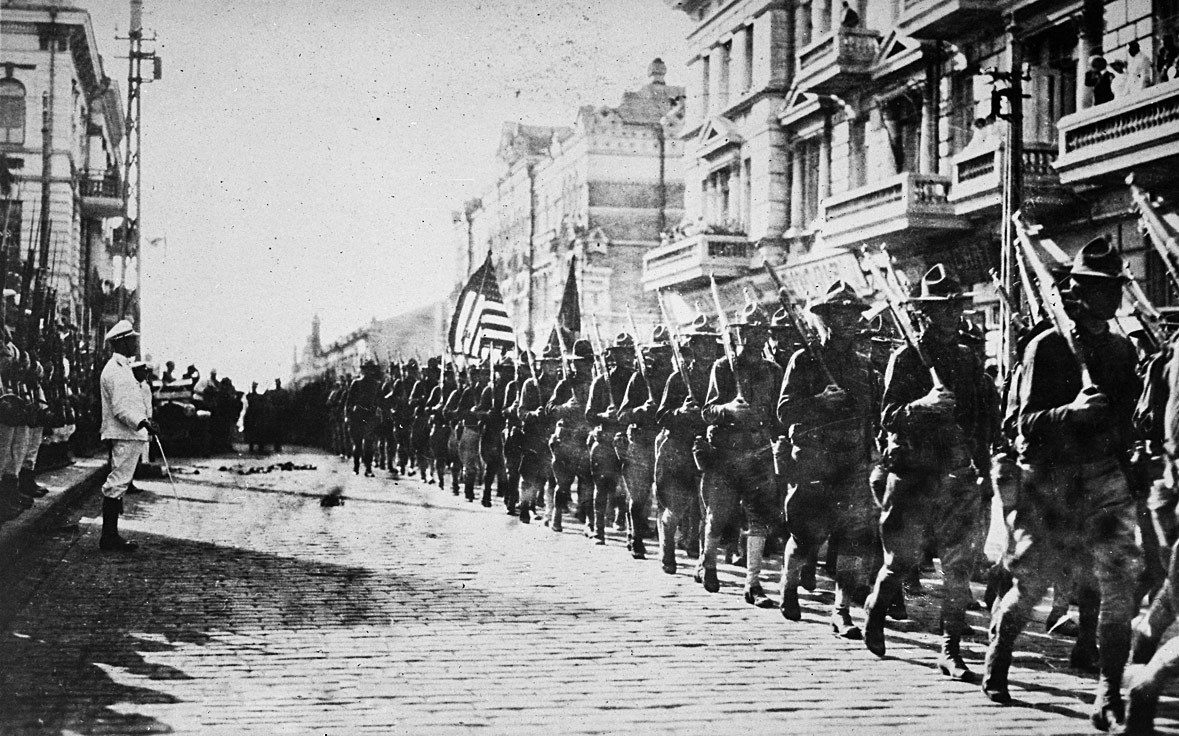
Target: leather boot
pixel 10 502
pixel 888 587
pixel 27 482
pixel 667 544
pixel 638 530
pixel 1084 654
pixel 110 539
pixel 1140 710
pixel 950 662
pixel 794 565
pixel 754 553
pixel 841 620
pixel 1113 641
pixel 1005 628
pixel 525 514
pixel 18 491
pixel 556 524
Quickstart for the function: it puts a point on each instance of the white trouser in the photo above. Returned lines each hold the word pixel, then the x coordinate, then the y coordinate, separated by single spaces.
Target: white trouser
pixel 33 448
pixel 124 457
pixel 7 438
pixel 16 450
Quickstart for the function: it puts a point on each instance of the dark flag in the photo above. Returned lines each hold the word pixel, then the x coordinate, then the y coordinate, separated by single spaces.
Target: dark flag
pixel 569 315
pixel 480 319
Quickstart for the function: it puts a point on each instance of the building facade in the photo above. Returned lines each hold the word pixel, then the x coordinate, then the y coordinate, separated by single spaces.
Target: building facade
pixel 601 191
pixel 826 131
pixel 416 334
pixel 61 125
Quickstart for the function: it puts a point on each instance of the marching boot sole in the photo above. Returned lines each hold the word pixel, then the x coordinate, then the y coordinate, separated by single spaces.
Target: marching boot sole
pixel 962 674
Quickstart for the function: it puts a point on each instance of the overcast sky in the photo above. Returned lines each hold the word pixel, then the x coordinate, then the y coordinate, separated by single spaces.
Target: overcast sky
pixel 304 157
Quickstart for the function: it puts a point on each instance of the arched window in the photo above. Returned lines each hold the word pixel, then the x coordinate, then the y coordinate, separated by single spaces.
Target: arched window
pixel 12 111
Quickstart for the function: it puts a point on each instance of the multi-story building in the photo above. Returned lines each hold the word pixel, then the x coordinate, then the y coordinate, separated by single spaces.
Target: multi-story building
pixel 60 129
pixel 417 334
pixel 827 130
pixel 601 191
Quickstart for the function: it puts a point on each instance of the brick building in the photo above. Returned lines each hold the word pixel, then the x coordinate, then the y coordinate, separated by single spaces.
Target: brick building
pixel 602 190
pixel 821 130
pixel 53 78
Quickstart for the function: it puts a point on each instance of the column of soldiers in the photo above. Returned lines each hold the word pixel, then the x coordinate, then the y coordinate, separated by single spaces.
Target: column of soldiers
pixel 797 441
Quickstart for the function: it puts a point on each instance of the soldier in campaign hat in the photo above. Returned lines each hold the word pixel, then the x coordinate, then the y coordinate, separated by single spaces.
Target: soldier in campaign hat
pixel 567 407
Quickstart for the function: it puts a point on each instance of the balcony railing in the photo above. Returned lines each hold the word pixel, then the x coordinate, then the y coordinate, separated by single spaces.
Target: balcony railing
pixel 101 194
pixel 902 208
pixel 946 19
pixel 977 179
pixel 694 258
pixel 1108 141
pixel 837 60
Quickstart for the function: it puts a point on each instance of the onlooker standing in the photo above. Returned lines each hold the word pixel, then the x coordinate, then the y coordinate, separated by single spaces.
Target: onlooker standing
pixel 126 424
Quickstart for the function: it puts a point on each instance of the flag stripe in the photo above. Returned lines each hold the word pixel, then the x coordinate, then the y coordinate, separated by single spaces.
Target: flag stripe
pixel 480 317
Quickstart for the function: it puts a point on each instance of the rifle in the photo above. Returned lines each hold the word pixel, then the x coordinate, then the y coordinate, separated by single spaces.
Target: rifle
pixel 892 296
pixel 1052 298
pixel 727 339
pixel 26 286
pixel 642 364
pixel 600 360
pixel 1162 235
pixel 676 352
pixel 564 352
pixel 796 324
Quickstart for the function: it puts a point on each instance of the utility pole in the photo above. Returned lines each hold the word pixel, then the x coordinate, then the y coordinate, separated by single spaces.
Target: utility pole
pixel 133 163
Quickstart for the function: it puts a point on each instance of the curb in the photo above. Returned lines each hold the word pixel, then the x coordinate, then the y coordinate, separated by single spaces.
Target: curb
pixel 67 486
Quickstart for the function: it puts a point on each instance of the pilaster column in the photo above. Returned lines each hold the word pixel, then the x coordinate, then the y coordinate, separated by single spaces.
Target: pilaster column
pixel 928 163
pixel 796 193
pixel 820 18
pixel 716 80
pixel 739 74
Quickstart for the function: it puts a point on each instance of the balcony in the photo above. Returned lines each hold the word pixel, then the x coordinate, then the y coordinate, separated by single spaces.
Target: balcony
pixel 1139 133
pixel 977 179
pixel 946 19
pixel 101 194
pixel 837 61
pixel 902 210
pixel 692 259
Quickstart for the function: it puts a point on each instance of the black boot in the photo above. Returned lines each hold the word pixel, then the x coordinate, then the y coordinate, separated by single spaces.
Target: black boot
pixel 110 539
pixel 1084 656
pixel 1113 642
pixel 10 505
pixel 1004 631
pixel 888 587
pixel 950 662
pixel 638 527
pixel 27 483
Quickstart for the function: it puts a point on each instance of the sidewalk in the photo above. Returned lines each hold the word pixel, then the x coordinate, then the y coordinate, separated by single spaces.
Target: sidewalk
pixel 66 486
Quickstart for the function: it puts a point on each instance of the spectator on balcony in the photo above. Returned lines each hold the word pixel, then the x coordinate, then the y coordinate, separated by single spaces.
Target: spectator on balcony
pixel 1139 68
pixel 983 135
pixel 1100 78
pixel 1168 53
pixel 850 19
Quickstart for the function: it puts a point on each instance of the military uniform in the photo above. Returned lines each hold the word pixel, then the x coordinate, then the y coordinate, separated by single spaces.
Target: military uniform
pixel 830 428
pixel 492 419
pixel 570 433
pixel 638 411
pixel 677 479
pixel 738 465
pixel 1074 500
pixel 460 409
pixel 362 415
pixel 606 393
pixel 931 493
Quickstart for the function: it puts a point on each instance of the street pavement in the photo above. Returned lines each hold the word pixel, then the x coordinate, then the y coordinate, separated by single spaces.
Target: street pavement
pixel 250 608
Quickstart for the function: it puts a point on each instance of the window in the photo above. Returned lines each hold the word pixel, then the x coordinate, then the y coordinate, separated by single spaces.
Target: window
pixel 726 61
pixel 705 83
pixel 747 77
pixel 809 151
pixel 12 111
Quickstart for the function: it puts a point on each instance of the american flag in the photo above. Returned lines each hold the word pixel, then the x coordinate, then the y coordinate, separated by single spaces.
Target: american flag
pixel 480 319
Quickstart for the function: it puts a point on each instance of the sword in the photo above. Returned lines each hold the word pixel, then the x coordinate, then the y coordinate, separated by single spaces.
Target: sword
pixel 167 468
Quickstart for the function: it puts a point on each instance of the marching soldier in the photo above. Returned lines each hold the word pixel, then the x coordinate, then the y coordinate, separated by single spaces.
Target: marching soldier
pixel 362 414
pixel 931 414
pixel 419 433
pixel 513 435
pixel 637 411
pixel 567 407
pixel 738 469
pixel 460 410
pixel 1074 501
pixel 534 461
pixel 490 415
pixel 828 405
pixel 606 394
pixel 677 479
pixel 440 429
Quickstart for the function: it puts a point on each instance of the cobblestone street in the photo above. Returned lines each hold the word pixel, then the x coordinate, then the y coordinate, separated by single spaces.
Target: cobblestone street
pixel 249 607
